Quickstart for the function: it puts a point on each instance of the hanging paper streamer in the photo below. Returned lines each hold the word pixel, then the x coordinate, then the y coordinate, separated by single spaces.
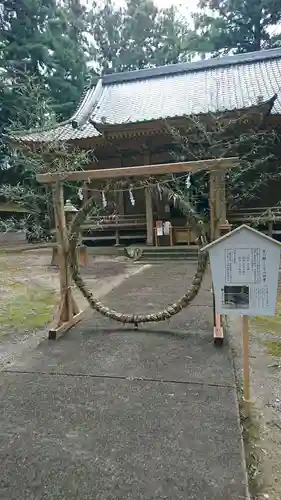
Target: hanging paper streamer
pixel 80 194
pixel 132 199
pixel 188 182
pixel 104 202
pixel 167 227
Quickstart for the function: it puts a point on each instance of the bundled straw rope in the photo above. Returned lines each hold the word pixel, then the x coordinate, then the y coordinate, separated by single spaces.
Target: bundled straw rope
pixel 136 319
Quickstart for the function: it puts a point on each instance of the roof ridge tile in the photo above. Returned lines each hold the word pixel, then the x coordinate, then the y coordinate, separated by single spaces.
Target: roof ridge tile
pixel 172 69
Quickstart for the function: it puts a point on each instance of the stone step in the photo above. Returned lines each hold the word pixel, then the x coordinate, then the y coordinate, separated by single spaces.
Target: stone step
pixel 161 254
pixel 171 252
pixel 167 252
pixel 166 261
pixel 170 249
pixel 176 255
pixel 170 257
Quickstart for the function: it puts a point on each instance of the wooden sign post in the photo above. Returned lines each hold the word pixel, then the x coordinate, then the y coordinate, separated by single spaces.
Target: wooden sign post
pixel 246 368
pixel 245 268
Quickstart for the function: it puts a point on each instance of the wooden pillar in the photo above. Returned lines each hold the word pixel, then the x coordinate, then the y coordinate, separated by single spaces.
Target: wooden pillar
pixel 217 202
pixel 85 191
pixel 149 216
pixel 68 312
pixel 223 200
pixel 212 205
pixel 148 207
pixel 62 240
pixel 120 202
pixel 58 200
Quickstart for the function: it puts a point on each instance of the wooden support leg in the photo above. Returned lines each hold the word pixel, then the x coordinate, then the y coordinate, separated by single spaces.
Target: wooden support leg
pixel 68 312
pixel 218 330
pixel 68 315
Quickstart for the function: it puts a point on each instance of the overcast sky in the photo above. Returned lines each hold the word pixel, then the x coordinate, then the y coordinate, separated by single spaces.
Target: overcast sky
pixel 187 5
pixel 191 4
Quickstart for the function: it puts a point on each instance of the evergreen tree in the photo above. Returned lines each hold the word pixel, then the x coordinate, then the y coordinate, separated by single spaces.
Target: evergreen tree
pixel 23 26
pixel 106 28
pixel 44 41
pixel 24 54
pixel 68 72
pixel 42 66
pixel 23 59
pixel 238 26
pixel 137 36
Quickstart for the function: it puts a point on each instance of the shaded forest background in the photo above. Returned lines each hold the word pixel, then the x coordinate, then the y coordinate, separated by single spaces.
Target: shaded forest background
pixel 52 50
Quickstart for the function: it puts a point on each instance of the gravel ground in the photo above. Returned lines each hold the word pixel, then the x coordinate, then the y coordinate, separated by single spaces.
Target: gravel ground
pixel 105 273
pixel 32 269
pixel 265 373
pixel 111 412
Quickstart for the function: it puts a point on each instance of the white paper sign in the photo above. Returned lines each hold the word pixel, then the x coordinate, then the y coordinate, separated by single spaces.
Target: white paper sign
pixel 167 227
pixel 159 228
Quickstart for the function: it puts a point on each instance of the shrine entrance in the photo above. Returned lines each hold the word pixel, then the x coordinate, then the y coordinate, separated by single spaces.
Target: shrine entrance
pixel 68 313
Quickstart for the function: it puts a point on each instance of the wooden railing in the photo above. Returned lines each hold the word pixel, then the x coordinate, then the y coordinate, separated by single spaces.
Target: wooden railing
pixel 114 227
pixel 259 217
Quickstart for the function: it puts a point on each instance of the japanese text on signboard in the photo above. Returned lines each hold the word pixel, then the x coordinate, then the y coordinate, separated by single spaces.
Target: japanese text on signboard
pixel 245 265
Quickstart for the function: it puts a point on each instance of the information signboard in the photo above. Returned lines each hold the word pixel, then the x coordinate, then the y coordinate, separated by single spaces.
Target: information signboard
pixel 245 269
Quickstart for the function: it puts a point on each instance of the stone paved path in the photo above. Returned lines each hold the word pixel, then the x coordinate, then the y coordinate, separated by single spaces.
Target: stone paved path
pixel 110 413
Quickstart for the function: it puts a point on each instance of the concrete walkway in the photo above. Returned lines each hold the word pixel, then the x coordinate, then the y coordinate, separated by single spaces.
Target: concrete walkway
pixel 109 413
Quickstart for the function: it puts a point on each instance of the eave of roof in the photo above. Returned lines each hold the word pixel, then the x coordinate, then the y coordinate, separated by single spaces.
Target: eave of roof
pixel 7 206
pixel 164 124
pixel 118 102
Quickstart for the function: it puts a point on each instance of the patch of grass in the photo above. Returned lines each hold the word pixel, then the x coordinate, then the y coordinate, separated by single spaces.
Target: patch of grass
pixel 26 308
pixel 269 323
pixel 273 347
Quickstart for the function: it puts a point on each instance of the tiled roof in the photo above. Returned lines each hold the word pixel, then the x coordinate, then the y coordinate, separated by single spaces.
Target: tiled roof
pixel 63 132
pixel 213 85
